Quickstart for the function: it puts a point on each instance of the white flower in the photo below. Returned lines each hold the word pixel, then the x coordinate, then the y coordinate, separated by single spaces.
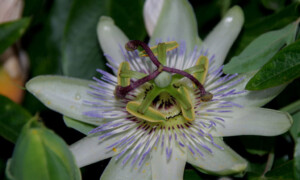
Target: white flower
pixel 152 130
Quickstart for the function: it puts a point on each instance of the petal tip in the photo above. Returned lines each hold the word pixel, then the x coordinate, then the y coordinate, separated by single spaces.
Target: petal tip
pixel 105 19
pixel 284 124
pixel 221 38
pixel 240 167
pixel 237 13
pixel 32 84
pixel 104 23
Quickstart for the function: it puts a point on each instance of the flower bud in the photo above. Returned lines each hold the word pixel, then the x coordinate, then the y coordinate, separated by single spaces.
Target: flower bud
pixel 40 154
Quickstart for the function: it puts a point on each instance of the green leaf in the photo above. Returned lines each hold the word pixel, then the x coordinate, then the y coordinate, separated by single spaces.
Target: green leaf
pixel 191 174
pixel 224 6
pixel 297 157
pixel 207 21
pixel 256 169
pixel 10 32
pixel 283 172
pixel 32 7
pixel 81 49
pixel 292 108
pixel 259 26
pixel 45 37
pixel 82 127
pixel 258 145
pixel 282 68
pixel 295 129
pixel 44 49
pixel 12 118
pixel 41 155
pixel 273 4
pixel 2 167
pixel 128 16
pixel 261 50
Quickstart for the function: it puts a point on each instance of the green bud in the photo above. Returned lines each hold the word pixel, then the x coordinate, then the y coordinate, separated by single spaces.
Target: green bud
pixel 40 154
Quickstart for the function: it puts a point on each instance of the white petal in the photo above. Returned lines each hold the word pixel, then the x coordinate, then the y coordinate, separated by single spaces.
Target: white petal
pixel 117 171
pixel 171 169
pixel 221 162
pixel 257 98
pixel 151 11
pixel 224 34
pixel 111 38
pixel 90 149
pixel 253 121
pixel 254 98
pixel 64 95
pixel 177 22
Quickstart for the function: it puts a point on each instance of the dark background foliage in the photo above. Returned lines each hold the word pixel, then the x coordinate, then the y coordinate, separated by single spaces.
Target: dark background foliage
pixel 63 32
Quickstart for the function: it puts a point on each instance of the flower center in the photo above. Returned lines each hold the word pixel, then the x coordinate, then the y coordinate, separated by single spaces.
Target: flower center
pixel 164 94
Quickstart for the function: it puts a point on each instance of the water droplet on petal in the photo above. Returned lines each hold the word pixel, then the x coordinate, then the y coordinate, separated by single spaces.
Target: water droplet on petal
pixel 77 96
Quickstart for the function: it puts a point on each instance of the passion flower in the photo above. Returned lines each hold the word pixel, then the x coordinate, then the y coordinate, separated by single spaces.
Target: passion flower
pixel 165 106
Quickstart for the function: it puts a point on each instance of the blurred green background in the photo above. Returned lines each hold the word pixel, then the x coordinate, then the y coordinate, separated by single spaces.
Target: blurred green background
pixel 61 39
